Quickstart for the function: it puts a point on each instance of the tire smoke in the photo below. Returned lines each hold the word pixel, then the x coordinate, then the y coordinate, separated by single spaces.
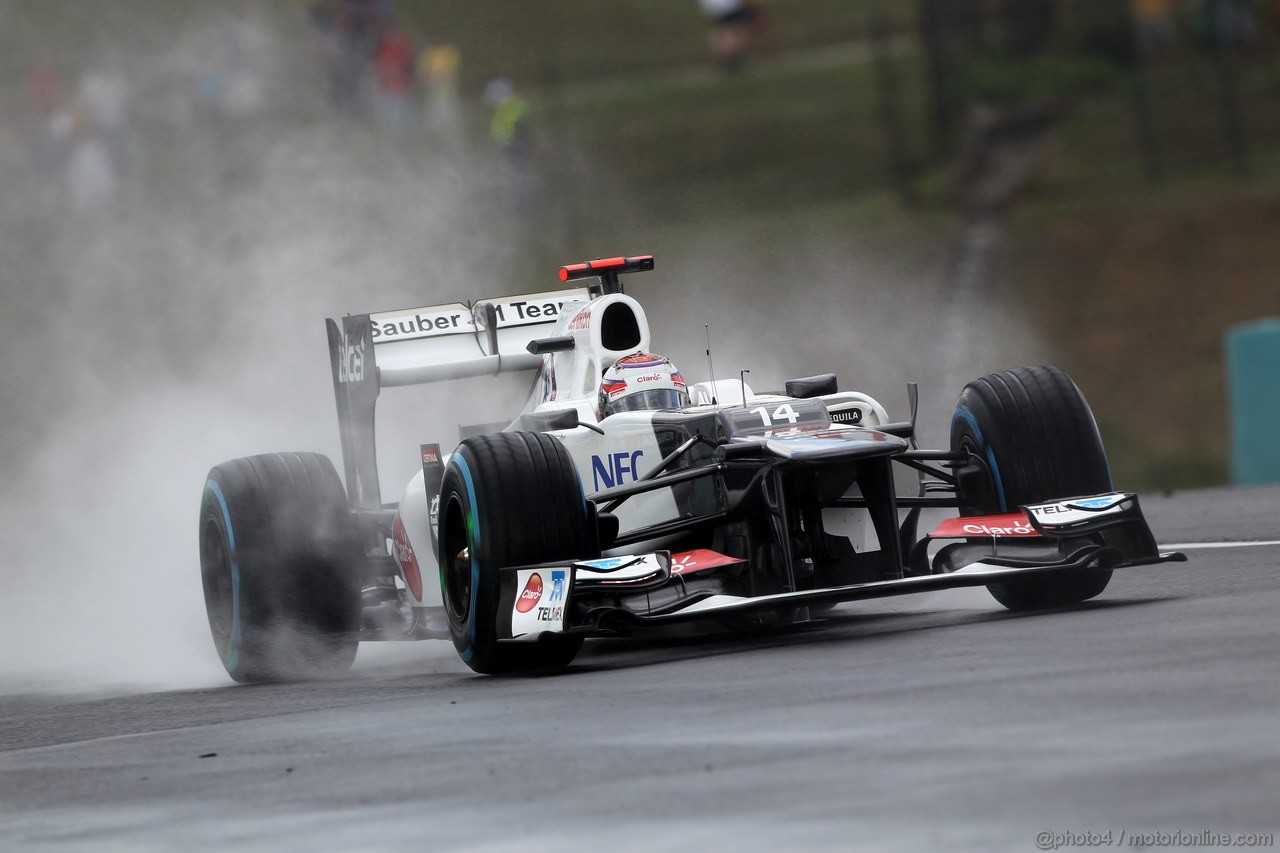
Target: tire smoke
pixel 180 324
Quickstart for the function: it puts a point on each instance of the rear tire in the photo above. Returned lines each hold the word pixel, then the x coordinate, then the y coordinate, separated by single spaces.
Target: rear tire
pixel 279 557
pixel 508 499
pixel 1032 434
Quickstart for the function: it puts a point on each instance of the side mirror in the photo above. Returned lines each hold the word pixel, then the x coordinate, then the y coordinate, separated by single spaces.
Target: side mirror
pixel 541 346
pixel 557 419
pixel 607 527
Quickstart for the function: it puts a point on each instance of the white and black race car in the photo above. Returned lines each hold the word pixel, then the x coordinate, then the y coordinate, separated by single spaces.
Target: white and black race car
pixel 736 510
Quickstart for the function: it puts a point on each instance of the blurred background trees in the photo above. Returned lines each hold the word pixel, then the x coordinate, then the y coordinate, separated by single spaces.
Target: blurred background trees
pixel 1126 152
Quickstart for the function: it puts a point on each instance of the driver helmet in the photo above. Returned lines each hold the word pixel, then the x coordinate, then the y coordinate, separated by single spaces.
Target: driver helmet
pixel 641 381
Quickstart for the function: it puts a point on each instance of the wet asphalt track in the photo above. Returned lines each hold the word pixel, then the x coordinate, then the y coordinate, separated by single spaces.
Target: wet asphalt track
pixel 936 722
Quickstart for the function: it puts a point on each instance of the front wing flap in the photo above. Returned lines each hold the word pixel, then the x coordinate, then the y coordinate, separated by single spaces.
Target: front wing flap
pixel 1108 529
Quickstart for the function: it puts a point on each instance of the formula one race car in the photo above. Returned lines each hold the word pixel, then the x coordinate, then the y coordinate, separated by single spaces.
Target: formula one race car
pixel 622 501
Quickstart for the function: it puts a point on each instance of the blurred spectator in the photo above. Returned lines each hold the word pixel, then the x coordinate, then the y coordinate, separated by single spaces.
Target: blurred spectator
pixel 91 175
pixel 44 89
pixel 47 120
pixel 511 132
pixel 357 24
pixel 348 34
pixel 733 23
pixel 438 73
pixel 210 94
pixel 393 68
pixel 104 94
pixel 323 15
pixel 249 51
pixel 509 123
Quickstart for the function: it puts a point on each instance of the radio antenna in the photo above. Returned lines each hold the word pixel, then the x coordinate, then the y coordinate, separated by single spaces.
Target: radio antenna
pixel 742 377
pixel 711 371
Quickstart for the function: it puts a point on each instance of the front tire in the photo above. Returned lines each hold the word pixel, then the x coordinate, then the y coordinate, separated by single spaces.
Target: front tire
pixel 508 499
pixel 1030 436
pixel 279 559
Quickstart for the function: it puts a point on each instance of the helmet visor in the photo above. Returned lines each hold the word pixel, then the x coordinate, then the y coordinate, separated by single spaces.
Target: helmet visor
pixel 657 398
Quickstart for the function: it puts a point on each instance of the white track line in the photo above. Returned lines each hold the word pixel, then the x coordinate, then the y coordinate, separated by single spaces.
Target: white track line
pixel 1187 546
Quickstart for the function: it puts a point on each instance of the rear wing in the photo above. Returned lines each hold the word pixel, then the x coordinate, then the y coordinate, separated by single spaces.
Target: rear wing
pixel 457 340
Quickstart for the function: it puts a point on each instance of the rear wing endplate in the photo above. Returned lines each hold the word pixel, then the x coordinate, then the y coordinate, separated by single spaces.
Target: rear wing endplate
pixel 457 340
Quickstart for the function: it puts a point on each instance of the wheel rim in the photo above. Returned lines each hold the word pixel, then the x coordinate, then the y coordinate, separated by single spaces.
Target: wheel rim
pixel 455 562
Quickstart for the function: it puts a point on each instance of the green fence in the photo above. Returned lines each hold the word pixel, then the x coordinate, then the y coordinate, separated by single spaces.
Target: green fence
pixel 1253 378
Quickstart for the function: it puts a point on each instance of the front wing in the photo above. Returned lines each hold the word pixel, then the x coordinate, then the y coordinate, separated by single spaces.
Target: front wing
pixel 1101 532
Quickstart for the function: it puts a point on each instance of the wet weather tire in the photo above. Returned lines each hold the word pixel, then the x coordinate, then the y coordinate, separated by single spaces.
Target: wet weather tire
pixel 1030 436
pixel 279 556
pixel 508 499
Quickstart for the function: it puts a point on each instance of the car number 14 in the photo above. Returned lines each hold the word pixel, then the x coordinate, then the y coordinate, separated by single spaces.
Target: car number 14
pixel 783 413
